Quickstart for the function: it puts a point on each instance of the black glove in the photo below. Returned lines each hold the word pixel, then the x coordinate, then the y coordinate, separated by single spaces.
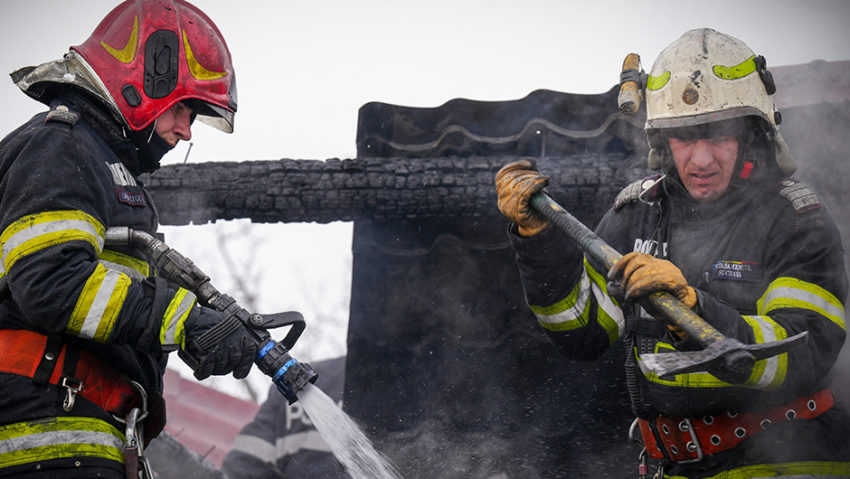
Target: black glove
pixel 235 352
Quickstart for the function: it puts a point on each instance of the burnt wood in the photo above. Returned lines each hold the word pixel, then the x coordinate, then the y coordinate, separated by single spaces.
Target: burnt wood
pixel 374 188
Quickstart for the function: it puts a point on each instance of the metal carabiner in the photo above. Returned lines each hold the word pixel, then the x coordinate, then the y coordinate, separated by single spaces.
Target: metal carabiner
pixel 72 387
pixel 144 408
pixel 136 464
pixel 643 464
pixel 132 450
pixel 634 433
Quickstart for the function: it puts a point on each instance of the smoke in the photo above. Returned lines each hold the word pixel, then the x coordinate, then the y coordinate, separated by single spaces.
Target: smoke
pixel 817 136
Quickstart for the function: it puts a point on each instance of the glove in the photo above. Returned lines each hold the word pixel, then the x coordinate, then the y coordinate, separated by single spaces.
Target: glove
pixel 235 352
pixel 642 274
pixel 516 183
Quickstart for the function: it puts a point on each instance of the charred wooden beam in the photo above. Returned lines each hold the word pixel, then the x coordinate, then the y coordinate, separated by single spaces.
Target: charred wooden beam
pixel 373 188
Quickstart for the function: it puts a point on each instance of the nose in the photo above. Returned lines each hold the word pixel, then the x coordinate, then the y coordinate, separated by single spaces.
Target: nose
pixel 183 124
pixel 702 155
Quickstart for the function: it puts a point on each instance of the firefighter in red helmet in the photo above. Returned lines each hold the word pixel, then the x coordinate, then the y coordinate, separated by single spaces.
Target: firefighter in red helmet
pixel 86 327
pixel 726 230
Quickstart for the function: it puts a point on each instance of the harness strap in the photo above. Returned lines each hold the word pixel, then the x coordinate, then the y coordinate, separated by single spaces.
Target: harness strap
pixel 21 354
pixel 689 439
pixel 47 364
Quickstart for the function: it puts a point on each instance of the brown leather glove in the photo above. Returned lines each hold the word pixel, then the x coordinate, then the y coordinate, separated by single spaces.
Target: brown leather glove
pixel 516 183
pixel 642 274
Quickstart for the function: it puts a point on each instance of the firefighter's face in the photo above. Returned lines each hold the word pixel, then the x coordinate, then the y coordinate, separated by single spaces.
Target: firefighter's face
pixel 705 165
pixel 175 124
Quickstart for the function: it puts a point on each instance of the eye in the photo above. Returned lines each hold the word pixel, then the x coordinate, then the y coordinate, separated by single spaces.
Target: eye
pixel 681 143
pixel 721 140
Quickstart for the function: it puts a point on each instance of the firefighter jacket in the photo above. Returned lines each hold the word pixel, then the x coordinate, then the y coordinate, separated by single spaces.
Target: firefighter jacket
pixel 65 177
pixel 767 263
pixel 281 441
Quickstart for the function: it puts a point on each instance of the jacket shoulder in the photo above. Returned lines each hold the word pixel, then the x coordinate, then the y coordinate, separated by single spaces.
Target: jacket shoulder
pixel 646 189
pixel 802 198
pixel 62 114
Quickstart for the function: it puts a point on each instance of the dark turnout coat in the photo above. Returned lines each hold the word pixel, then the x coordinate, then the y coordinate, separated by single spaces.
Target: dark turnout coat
pixel 767 263
pixel 65 177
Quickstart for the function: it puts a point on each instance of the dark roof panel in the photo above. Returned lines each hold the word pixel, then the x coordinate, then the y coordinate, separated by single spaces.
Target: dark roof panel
pixel 543 123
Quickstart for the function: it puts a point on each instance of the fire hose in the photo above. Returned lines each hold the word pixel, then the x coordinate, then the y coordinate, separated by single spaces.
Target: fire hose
pixel 273 358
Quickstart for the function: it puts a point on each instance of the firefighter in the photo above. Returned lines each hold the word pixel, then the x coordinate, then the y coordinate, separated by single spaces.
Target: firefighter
pixel 85 330
pixel 281 440
pixel 725 229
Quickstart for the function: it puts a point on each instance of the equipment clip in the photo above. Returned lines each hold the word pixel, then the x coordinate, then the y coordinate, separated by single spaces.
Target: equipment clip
pixel 72 387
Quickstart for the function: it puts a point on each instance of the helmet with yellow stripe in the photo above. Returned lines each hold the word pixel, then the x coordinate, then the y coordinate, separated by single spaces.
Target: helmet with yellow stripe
pixel 151 54
pixel 706 77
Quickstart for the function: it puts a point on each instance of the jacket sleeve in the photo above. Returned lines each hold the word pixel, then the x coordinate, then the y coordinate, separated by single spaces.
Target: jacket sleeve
pixel 56 202
pixel 567 294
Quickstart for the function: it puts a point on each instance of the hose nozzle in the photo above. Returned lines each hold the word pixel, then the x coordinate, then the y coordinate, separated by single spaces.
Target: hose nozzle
pixel 289 375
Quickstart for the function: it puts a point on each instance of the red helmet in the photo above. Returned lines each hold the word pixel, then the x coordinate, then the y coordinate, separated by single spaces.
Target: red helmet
pixel 151 54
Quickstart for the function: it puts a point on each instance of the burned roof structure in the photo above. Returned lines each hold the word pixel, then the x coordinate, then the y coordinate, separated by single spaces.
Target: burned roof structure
pixel 446 368
pixel 460 382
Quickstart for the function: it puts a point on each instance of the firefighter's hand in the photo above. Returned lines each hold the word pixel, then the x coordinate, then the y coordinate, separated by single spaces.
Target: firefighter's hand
pixel 516 183
pixel 234 353
pixel 642 274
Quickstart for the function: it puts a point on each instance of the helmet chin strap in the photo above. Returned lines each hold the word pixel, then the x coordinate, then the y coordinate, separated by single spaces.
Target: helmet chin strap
pixel 150 148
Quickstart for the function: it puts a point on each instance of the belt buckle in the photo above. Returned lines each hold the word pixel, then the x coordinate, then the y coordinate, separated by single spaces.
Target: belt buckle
pixel 694 445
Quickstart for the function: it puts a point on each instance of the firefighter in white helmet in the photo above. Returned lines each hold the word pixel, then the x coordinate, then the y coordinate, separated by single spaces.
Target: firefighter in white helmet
pixel 724 228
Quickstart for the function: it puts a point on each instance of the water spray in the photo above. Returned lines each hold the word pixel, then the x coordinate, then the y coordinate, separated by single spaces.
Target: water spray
pixel 273 358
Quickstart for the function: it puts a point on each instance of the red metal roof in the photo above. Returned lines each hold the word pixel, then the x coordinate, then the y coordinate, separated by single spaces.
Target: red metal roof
pixel 203 419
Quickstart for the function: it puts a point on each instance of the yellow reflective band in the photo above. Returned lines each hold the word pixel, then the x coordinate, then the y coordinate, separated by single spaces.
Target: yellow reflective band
pixel 608 314
pixel 133 267
pixel 573 311
pixel 786 292
pixel 767 373
pixel 126 54
pixel 657 83
pixel 172 332
pixel 33 233
pixel 568 313
pixel 807 469
pixel 99 304
pixel 198 71
pixel 687 380
pixel 60 437
pixel 737 71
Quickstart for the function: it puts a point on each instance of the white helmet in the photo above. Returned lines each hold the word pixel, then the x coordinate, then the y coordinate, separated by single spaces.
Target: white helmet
pixel 704 77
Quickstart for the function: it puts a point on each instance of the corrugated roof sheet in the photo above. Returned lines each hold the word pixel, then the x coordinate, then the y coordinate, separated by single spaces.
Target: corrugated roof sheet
pixel 543 123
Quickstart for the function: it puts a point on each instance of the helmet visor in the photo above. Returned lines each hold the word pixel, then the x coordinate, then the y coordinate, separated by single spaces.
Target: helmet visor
pixel 216 117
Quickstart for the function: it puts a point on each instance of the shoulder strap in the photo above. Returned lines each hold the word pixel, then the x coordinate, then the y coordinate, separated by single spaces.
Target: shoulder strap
pixel 52 348
pixel 63 115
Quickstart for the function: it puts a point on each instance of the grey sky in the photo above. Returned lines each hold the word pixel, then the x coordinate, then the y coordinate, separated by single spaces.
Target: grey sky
pixel 304 68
